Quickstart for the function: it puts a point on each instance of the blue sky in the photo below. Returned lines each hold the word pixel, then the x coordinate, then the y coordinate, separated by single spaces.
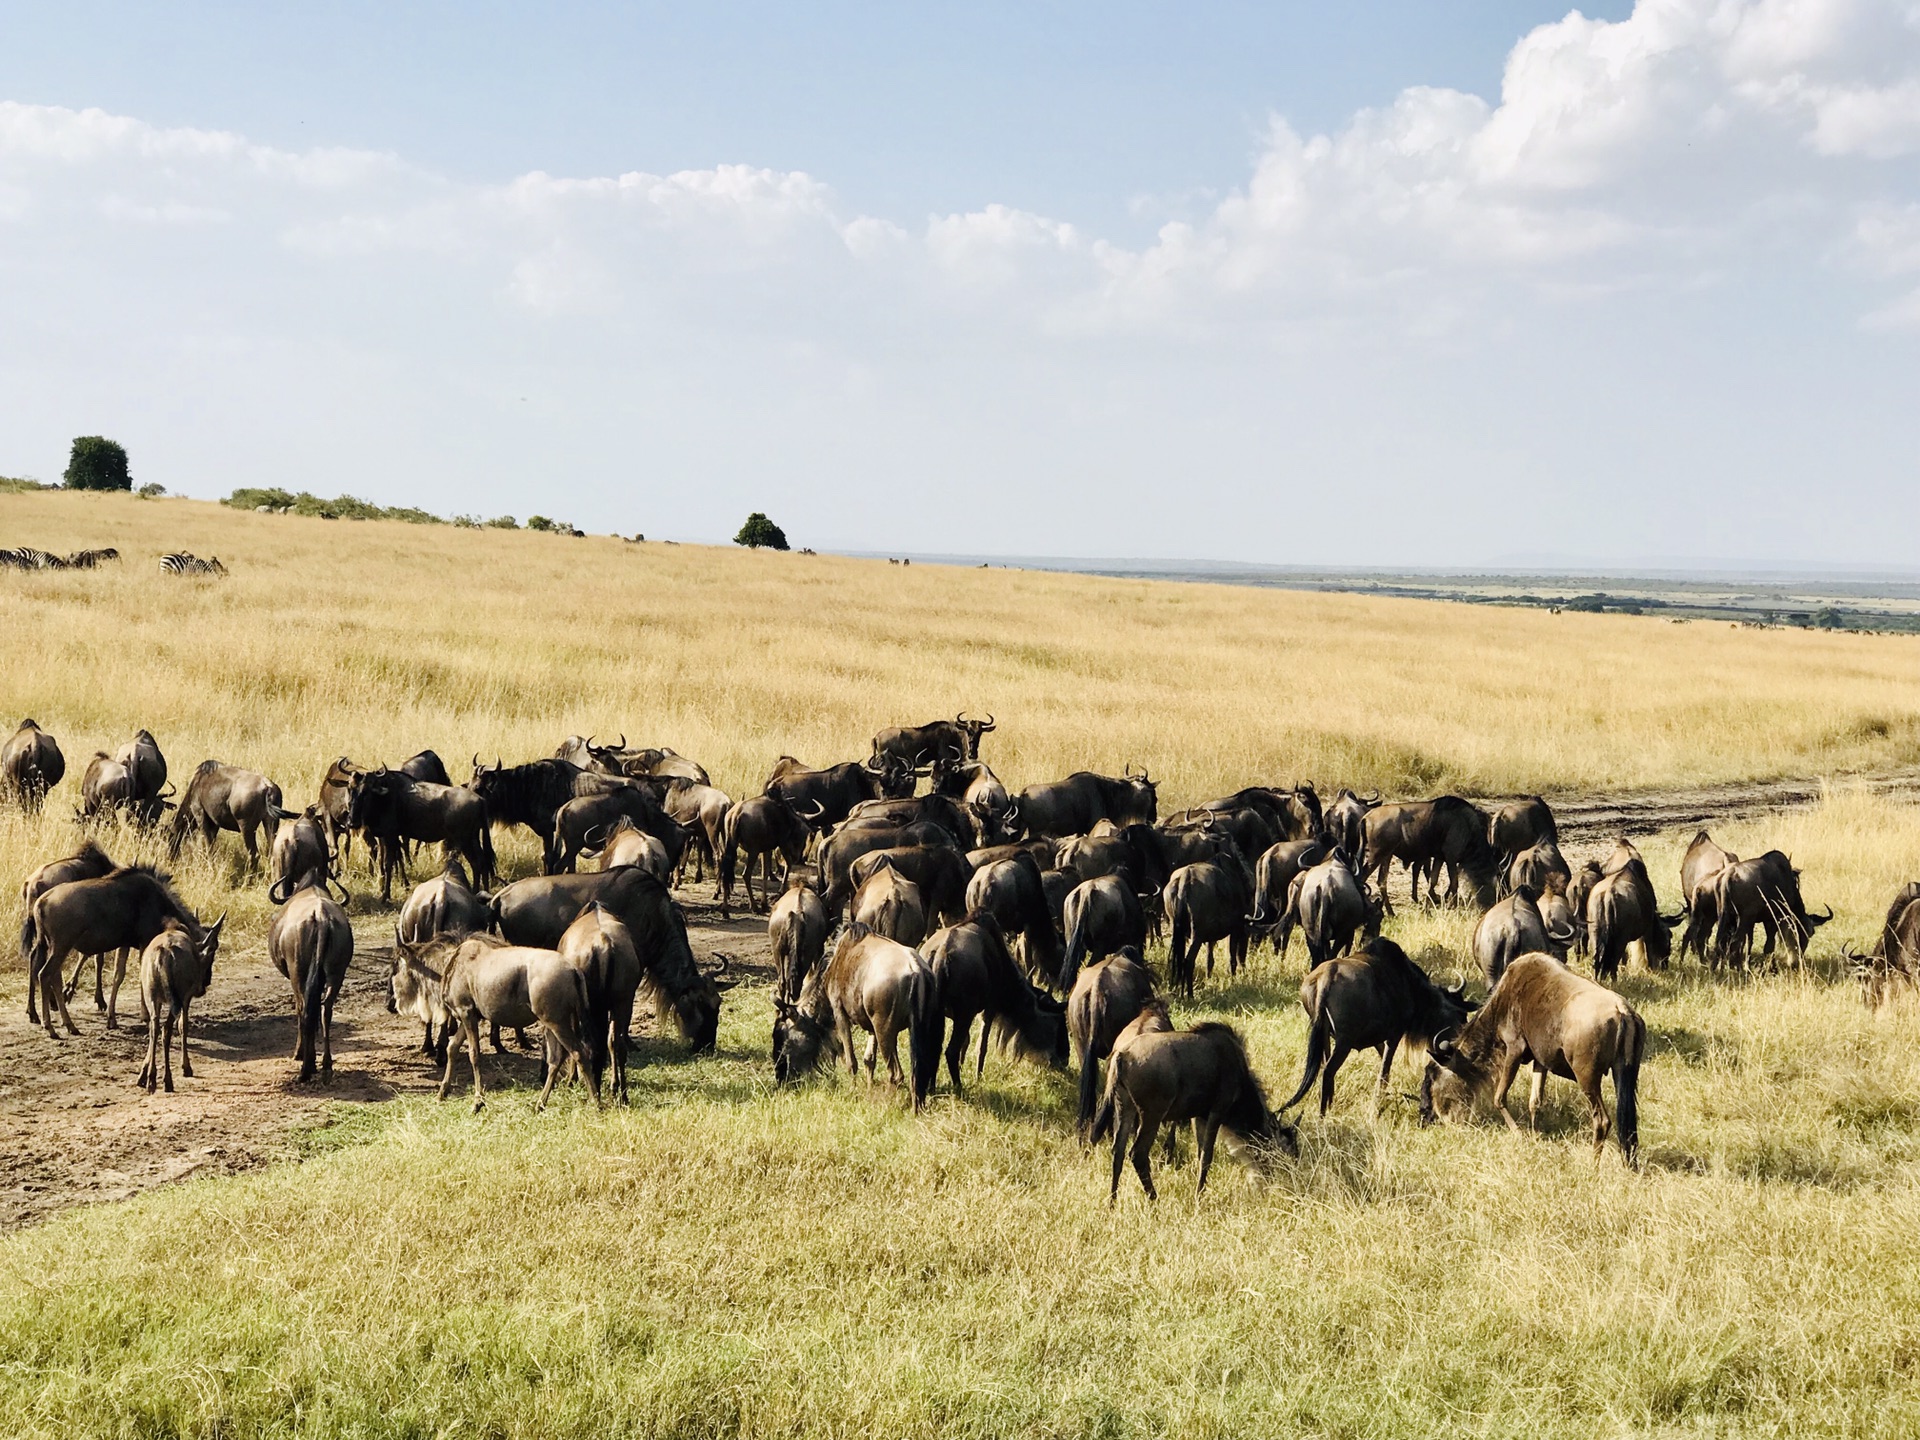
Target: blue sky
pixel 1393 282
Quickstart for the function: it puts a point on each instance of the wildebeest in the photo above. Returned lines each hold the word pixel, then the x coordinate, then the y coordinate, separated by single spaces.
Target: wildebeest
pixel 955 741
pixel 121 910
pixel 977 977
pixel 1621 908
pixel 30 765
pixel 87 863
pixel 1764 892
pixel 1071 806
pixel 701 811
pixel 628 844
pixel 1205 904
pixel 1513 927
pixel 872 984
pixel 797 925
pixel 889 904
pixel 1427 835
pixel 228 797
pixel 1895 957
pixel 1699 867
pixel 299 848
pixel 1273 875
pixel 105 788
pixel 1565 1025
pixel 840 850
pixel 533 793
pixel 1374 999
pixel 1012 891
pixel 175 970
pixel 1521 824
pixel 584 823
pixel 393 808
pixel 1346 822
pixel 1105 998
pixel 146 771
pixel 1101 916
pixel 760 828
pixel 826 797
pixel 1539 866
pixel 1171 1077
pixel 940 872
pixel 536 912
pixel 659 763
pixel 974 785
pixel 1137 851
pixel 598 945
pixel 477 978
pixel 444 905
pixel 311 942
pixel 941 810
pixel 1330 905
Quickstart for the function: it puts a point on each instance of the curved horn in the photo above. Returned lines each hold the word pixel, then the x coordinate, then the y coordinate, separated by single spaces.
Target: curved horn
pixel 819 809
pixel 1828 915
pixel 476 761
pixel 961 718
pixel 989 724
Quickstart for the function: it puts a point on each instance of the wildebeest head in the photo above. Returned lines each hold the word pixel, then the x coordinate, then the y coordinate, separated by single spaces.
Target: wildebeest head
pixel 365 790
pixel 896 773
pixel 974 730
pixel 1143 800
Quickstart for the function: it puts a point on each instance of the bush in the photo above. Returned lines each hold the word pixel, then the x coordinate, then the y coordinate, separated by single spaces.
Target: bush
pixel 759 531
pixel 342 507
pixel 502 522
pixel 151 491
pixel 14 486
pixel 97 463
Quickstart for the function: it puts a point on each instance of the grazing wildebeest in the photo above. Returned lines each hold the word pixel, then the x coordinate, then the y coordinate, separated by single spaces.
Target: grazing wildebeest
pixel 1519 825
pixel 1346 822
pixel 797 926
pixel 1101 916
pixel 889 904
pixel 121 910
pixel 300 848
pixel 826 797
pixel 478 979
pixel 1765 892
pixel 627 844
pixel 1105 999
pixel 955 741
pixel 30 765
pixel 1621 908
pixel 228 797
pixel 1071 806
pixel 584 823
pixel 1539 866
pixel 1426 835
pixel 598 945
pixel 1513 927
pixel 1374 999
pixel 1171 1077
pixel 701 811
pixel 392 808
pixel 146 768
pixel 1566 1025
pixel 311 942
pixel 89 862
pixel 1012 891
pixel 1273 875
pixel 838 852
pixel 941 873
pixel 174 972
pixel 1329 904
pixel 105 786
pixel 1895 957
pixel 872 984
pixel 536 911
pixel 1699 867
pixel 977 977
pixel 760 828
pixel 1205 904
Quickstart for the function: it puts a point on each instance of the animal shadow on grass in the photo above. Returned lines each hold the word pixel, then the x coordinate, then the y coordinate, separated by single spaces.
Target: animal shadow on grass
pixel 1690 1047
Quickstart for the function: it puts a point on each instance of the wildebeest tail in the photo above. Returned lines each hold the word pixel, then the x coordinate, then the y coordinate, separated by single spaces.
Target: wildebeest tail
pixel 1076 955
pixel 1103 1119
pixel 485 846
pixel 1319 1033
pixel 1626 1089
pixel 927 1027
pixel 313 994
pixel 1179 963
pixel 1089 1088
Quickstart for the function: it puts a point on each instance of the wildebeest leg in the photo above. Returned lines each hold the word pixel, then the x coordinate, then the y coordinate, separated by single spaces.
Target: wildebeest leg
pixel 453 1054
pixel 887 1041
pixel 186 1064
pixel 56 997
pixel 1332 1068
pixel 166 1047
pixel 119 977
pixel 849 1046
pixel 986 1030
pixel 1089 1088
pixel 1143 1150
pixel 1205 1132
pixel 1590 1087
pixel 493 1035
pixel 253 848
pixel 326 1031
pixel 473 1053
pixel 1210 945
pixel 1537 1093
pixel 957 1047
pixel 1124 1119
pixel 1502 1083
pixel 146 1080
pixel 1387 1052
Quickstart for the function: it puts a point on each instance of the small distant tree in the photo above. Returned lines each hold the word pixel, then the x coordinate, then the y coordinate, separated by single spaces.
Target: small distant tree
pixel 97 463
pixel 152 490
pixel 760 532
pixel 1830 619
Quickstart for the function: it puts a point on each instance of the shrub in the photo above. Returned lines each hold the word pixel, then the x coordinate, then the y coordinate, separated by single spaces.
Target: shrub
pixel 759 531
pixel 97 463
pixel 151 491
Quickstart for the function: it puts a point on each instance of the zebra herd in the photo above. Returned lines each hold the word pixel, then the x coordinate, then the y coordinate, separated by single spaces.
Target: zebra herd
pixel 25 557
pixel 183 563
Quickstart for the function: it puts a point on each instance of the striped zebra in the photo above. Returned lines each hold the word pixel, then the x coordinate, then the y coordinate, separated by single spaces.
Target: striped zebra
pixel 183 563
pixel 25 557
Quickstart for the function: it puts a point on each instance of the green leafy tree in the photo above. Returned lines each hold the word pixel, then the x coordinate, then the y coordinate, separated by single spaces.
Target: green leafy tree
pixel 760 532
pixel 97 463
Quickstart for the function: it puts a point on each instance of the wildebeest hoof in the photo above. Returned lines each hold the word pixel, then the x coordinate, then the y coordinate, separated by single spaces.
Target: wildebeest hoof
pixel 478 1106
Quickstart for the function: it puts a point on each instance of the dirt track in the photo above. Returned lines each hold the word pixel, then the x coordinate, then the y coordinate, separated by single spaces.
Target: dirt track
pixel 74 1129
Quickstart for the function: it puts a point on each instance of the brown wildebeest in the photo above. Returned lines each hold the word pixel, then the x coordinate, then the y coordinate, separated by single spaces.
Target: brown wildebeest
pixel 1140 852
pixel 444 905
pixel 1273 877
pixel 174 972
pixel 839 851
pixel 121 910
pixel 1013 893
pixel 30 765
pixel 889 904
pixel 1621 908
pixel 479 979
pixel 1427 835
pixel 311 942
pixel 1101 916
pixel 393 808
pixel 628 844
pixel 976 786
pixel 1205 904
pixel 1579 891
pixel 1330 905
pixel 1558 915
pixel 88 863
pixel 1106 998
pixel 956 740
pixel 1346 822
pixel 1539 866
pixel 760 828
pixel 1373 999
pixel 599 946
pixel 977 977
pixel 336 800
pixel 823 798
pixel 299 848
pixel 105 786
pixel 701 811
pixel 1071 806
pixel 1517 825
pixel 941 873
pixel 1895 957
pixel 1699 867
pixel 1565 1025
pixel 146 767
pixel 872 984
pixel 797 926
pixel 1764 892
pixel 1513 927
pixel 1199 1075
pixel 584 823
pixel 227 797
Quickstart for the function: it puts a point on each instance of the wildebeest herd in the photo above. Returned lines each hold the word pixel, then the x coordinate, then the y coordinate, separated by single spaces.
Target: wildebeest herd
pixel 910 912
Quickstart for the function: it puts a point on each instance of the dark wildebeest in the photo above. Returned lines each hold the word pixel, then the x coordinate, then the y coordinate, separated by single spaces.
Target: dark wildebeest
pixel 1426 835
pixel 1621 908
pixel 335 799
pixel 975 785
pixel 628 844
pixel 146 769
pixel 1699 867
pixel 1517 825
pixel 536 912
pixel 478 979
pixel 1374 999
pixel 1248 828
pixel 1895 957
pixel 701 811
pixel 1287 815
pixel 977 977
pixel 598 946
pixel 1540 867
pixel 1104 1001
pixel 1101 916
pixel 585 822
pixel 30 765
pixel 1346 821
pixel 1273 876
pixel 941 873
pixel 1012 892
pixel 1566 1025
pixel 840 850
pixel 759 829
pixel 88 863
pixel 121 910
pixel 392 809
pixel 1205 904
pixel 659 763
pixel 797 926
pixel 311 942
pixel 174 972
pixel 826 797
pixel 1514 927
pixel 105 786
pixel 1071 806
pixel 300 847
pixel 889 904
pixel 955 741
pixel 445 905
pixel 942 810
pixel 1764 892
pixel 532 794
pixel 1137 851
pixel 1171 1077
pixel 872 984
pixel 1330 905
pixel 228 797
